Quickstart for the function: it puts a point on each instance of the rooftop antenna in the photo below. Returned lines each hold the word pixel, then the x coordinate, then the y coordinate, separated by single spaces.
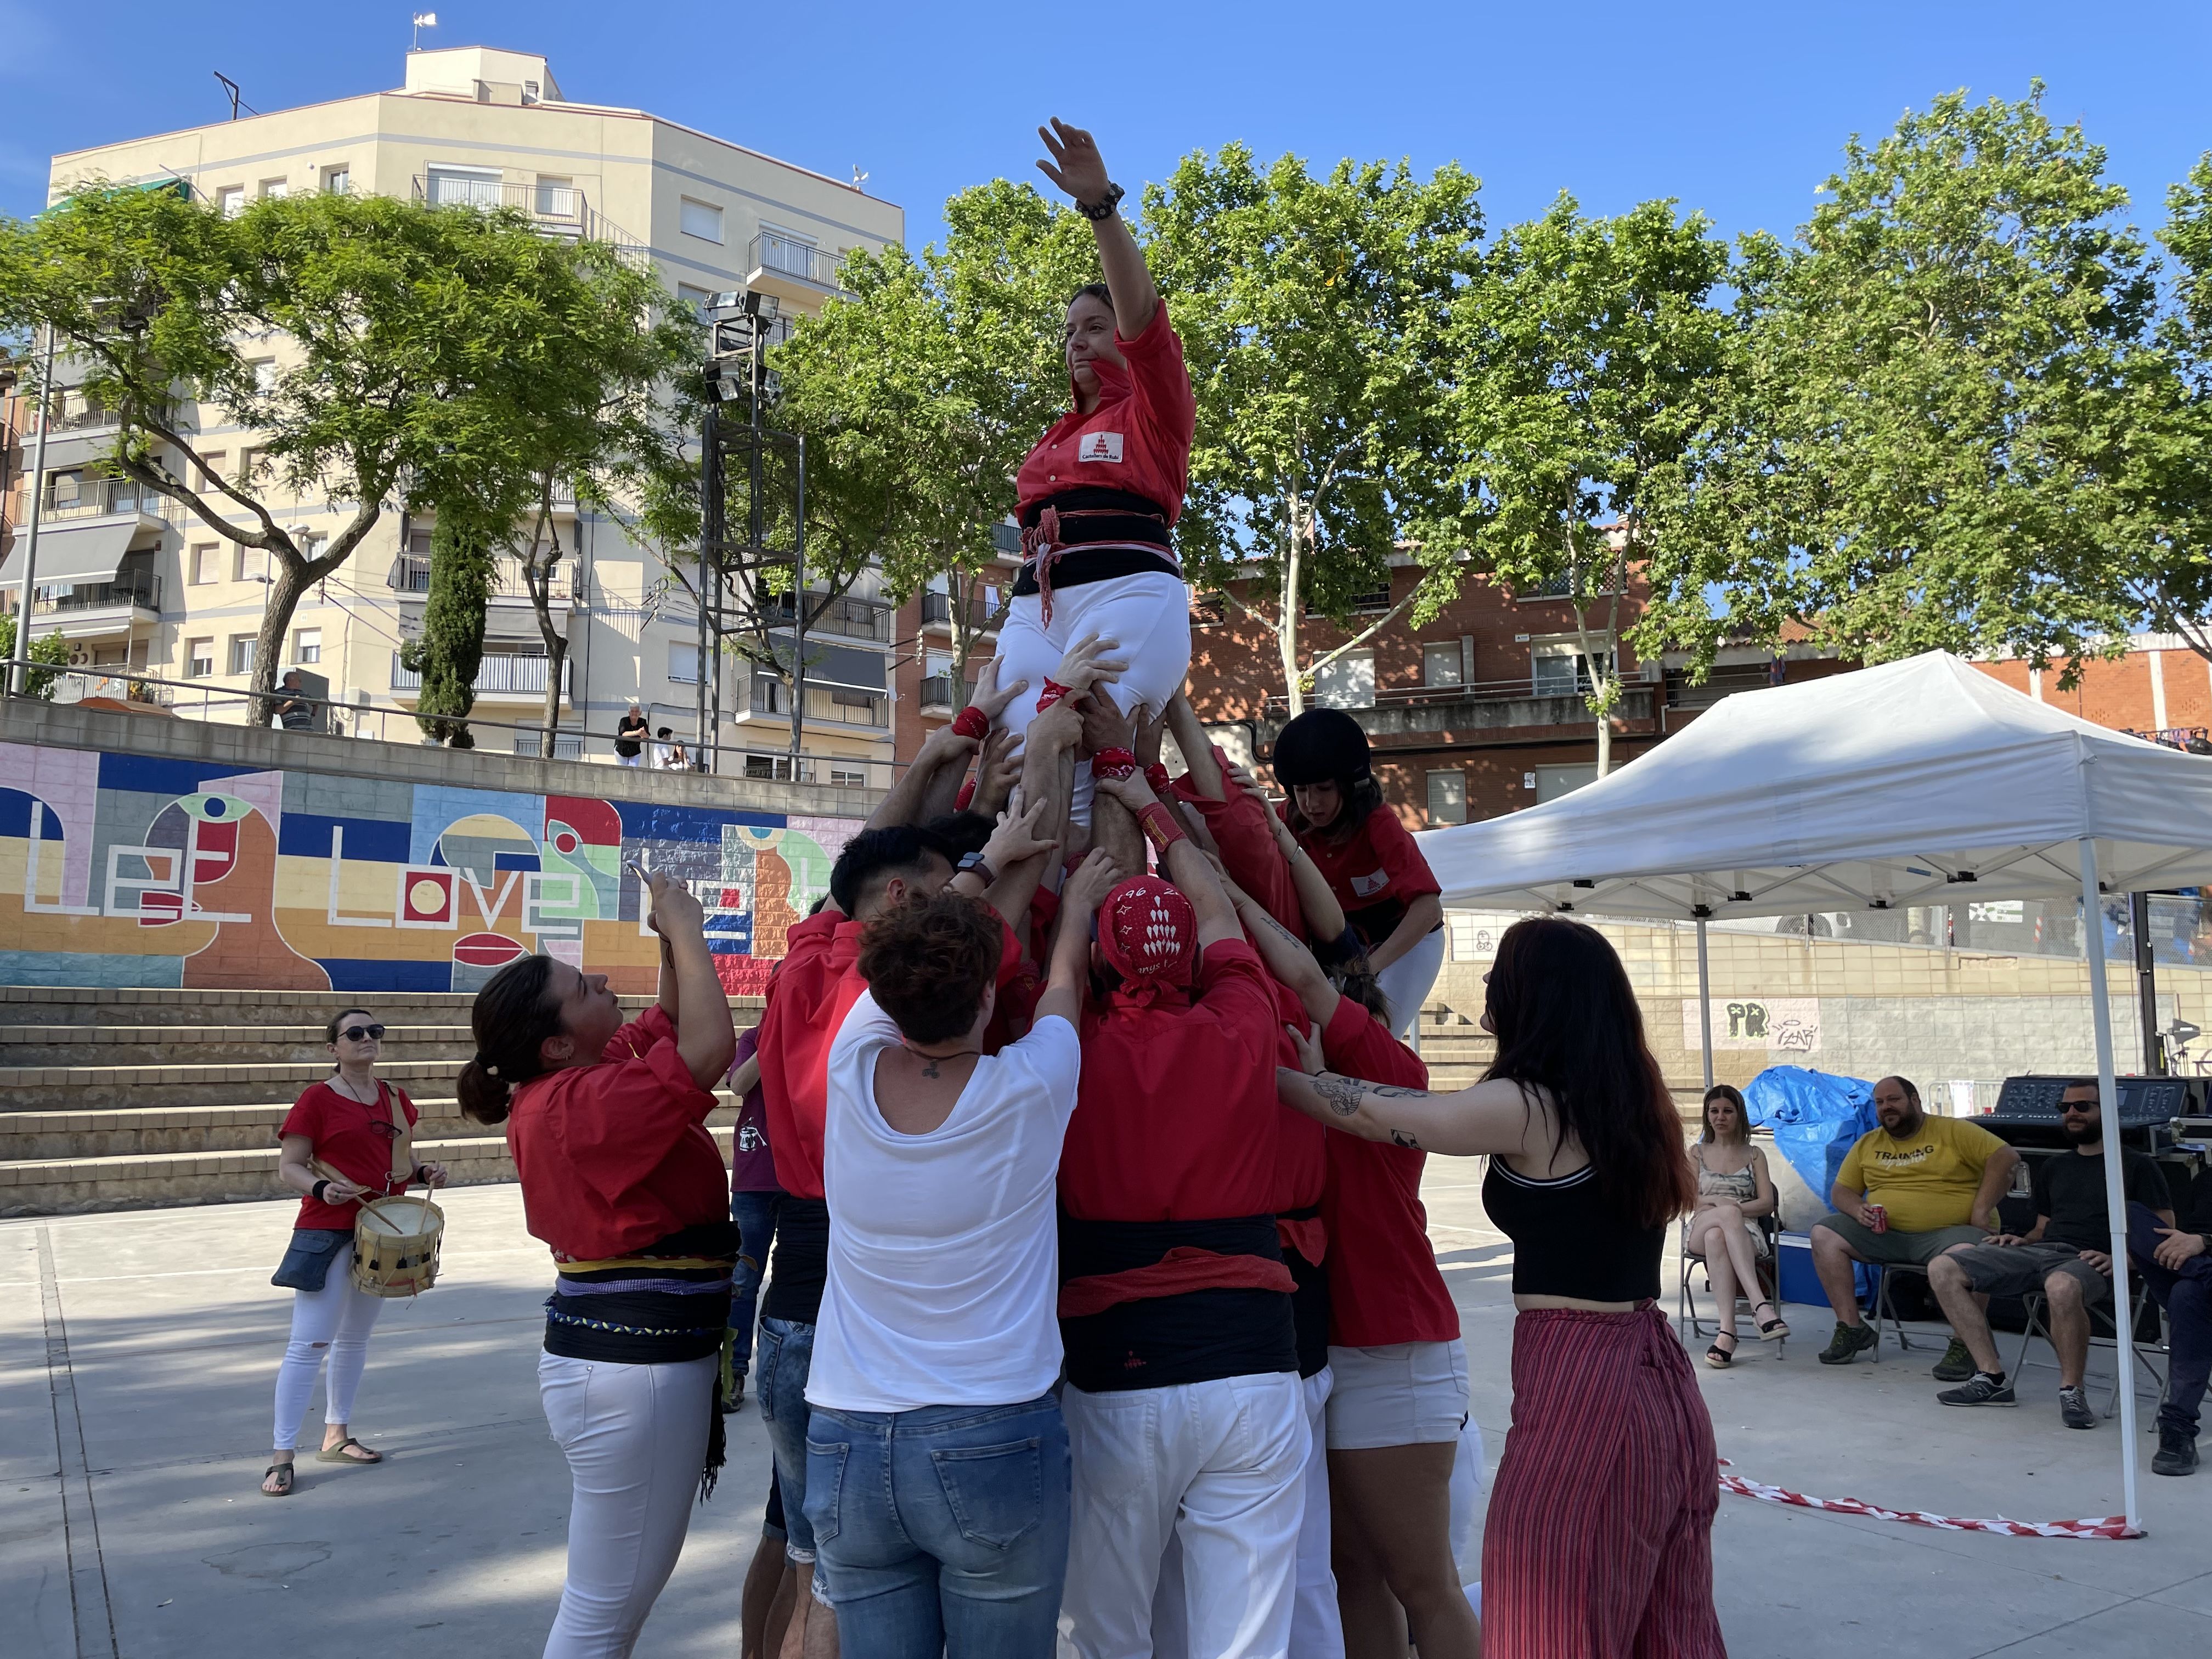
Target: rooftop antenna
pixel 423 19
pixel 858 177
pixel 237 100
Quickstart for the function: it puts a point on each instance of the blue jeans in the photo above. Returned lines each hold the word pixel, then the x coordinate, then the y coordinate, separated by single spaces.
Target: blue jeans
pixel 755 1214
pixel 2187 1298
pixel 786 1356
pixel 944 1529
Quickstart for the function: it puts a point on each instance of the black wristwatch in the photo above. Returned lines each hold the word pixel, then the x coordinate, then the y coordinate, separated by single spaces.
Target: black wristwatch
pixel 1103 209
pixel 981 866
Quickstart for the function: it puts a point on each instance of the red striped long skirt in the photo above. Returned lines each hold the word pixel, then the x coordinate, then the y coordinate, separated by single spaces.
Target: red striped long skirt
pixel 1598 1543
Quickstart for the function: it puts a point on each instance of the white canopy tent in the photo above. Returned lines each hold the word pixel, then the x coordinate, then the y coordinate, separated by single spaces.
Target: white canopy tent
pixel 1924 782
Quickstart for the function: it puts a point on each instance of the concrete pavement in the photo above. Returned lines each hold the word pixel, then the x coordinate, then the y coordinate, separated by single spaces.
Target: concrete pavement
pixel 138 1353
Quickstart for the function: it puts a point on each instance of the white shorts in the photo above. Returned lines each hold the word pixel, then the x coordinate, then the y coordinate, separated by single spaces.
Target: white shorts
pixel 1408 1394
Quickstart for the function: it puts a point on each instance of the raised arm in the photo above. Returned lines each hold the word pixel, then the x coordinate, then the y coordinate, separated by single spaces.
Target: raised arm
pixel 1421 919
pixel 1071 940
pixel 1199 765
pixel 942 792
pixel 1048 768
pixel 1185 864
pixel 705 1038
pixel 1317 899
pixel 1113 826
pixel 907 801
pixel 1286 956
pixel 1077 169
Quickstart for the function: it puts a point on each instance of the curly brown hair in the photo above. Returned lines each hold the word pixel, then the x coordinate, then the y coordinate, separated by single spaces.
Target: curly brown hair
pixel 930 964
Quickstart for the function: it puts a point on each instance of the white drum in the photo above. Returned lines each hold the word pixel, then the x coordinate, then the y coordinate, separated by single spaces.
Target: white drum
pixel 395 1246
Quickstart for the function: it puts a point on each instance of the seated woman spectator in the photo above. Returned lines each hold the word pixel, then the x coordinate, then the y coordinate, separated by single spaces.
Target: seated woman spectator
pixel 939 1476
pixel 1734 1189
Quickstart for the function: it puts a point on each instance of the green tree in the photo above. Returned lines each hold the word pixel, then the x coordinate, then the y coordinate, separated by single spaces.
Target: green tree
pixel 53 650
pixel 1926 442
pixel 377 345
pixel 1313 312
pixel 451 648
pixel 1588 359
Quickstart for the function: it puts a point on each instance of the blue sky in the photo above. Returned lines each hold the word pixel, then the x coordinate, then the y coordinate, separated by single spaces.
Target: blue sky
pixel 1737 109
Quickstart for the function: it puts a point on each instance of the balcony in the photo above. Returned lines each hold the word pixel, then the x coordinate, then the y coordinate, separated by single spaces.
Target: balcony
pixel 500 674
pixel 559 211
pixel 1482 712
pixel 798 273
pixel 848 618
pixel 771 700
pixel 411 574
pixel 937 615
pixel 85 608
pixel 105 498
pixel 943 693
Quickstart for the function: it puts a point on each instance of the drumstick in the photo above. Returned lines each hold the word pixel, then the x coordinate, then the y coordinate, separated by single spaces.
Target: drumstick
pixel 329 1173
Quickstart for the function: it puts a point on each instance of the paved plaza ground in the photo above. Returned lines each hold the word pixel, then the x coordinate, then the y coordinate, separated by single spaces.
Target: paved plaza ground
pixel 138 1353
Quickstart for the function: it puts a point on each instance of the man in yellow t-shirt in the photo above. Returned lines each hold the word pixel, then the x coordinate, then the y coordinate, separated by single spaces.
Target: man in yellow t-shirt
pixel 1937 1178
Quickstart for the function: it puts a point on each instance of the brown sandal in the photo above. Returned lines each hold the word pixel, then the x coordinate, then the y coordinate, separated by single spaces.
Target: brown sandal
pixel 337 1454
pixel 283 1487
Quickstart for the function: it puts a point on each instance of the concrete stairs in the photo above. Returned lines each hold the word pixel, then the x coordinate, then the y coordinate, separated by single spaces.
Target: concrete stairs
pixel 1453 1047
pixel 126 1099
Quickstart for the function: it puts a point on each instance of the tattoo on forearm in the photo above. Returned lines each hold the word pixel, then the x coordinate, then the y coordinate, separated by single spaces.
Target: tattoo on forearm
pixel 1392 1091
pixel 1399 1138
pixel 1341 1093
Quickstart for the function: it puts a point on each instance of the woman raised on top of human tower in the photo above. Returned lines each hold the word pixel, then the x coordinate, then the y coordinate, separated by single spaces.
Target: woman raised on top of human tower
pixel 1101 491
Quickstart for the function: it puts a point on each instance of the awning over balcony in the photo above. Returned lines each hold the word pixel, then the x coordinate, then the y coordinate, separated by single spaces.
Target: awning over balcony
pixel 72 553
pixel 841 665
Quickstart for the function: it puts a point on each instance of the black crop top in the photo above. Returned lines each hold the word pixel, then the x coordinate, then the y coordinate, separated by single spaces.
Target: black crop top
pixel 1565 1242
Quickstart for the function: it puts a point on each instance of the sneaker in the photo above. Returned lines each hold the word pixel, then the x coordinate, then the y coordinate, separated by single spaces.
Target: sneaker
pixel 2177 1452
pixel 1956 1365
pixel 1979 1390
pixel 2074 1409
pixel 1848 1340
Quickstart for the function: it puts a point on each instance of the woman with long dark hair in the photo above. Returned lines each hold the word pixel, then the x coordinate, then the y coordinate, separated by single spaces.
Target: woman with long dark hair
pixel 1599 1539
pixel 607 1124
pixel 1099 494
pixel 1734 1189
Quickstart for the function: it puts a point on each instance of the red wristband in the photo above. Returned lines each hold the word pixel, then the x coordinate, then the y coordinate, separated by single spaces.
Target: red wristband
pixel 1113 764
pixel 972 722
pixel 1160 828
pixel 1052 692
pixel 1157 775
pixel 965 799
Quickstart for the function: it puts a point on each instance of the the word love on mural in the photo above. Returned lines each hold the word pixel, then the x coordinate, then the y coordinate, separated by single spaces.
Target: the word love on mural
pixel 129 870
pixel 1786 1025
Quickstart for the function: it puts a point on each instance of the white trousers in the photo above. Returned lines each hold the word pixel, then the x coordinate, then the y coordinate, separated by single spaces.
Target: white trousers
pixel 332 1323
pixel 1316 1626
pixel 1148 615
pixel 1408 981
pixel 635 1437
pixel 1219 1466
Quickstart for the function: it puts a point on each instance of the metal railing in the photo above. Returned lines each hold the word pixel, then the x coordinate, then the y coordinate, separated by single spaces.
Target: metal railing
pixel 101 498
pixel 558 210
pixel 944 692
pixel 1469 691
pixel 847 617
pixel 411 574
pixel 497 671
pixel 793 258
pixel 141 588
pixel 937 612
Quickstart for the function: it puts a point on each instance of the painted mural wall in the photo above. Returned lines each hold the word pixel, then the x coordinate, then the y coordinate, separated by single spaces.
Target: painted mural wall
pixel 133 870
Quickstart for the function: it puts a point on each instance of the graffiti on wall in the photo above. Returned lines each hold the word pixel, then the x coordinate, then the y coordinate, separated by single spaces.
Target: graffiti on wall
pixel 133 870
pixel 1788 1025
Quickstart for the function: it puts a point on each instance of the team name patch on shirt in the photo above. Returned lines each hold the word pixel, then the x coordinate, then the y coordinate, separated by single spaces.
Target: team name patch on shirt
pixel 1100 446
pixel 1367 885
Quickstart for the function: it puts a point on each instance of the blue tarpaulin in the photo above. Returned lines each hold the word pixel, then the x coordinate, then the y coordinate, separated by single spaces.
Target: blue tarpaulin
pixel 1815 1116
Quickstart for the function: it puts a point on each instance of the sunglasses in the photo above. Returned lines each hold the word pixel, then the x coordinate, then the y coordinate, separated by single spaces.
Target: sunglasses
pixel 356 1033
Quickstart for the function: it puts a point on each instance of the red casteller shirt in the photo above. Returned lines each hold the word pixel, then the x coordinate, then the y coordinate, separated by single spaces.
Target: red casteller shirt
pixel 1240 828
pixel 1139 437
pixel 615 1156
pixel 813 988
pixel 1301 1179
pixel 1176 1113
pixel 1375 875
pixel 1384 1284
pixel 347 1139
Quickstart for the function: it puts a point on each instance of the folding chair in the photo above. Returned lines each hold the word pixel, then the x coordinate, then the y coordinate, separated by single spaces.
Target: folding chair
pixel 1770 1280
pixel 2102 1333
pixel 1885 1305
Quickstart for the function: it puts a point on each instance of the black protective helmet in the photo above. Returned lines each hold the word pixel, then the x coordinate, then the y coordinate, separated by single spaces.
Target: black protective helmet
pixel 1322 746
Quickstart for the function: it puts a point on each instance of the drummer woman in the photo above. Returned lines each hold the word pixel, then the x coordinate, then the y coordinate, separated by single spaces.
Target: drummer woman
pixel 350 1123
pixel 1389 896
pixel 607 1125
pixel 1102 490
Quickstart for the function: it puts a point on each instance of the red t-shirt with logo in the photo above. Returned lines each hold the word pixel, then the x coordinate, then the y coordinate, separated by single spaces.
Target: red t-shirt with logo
pixel 1384 1284
pixel 347 1139
pixel 1137 439
pixel 1374 873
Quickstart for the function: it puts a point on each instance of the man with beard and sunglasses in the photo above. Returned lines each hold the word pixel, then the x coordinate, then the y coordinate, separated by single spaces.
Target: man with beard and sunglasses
pixel 2066 1256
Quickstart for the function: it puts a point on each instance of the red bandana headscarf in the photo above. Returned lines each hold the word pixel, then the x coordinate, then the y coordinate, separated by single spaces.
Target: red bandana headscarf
pixel 1148 934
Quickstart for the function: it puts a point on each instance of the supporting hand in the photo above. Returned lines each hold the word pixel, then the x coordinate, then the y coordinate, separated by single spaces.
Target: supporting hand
pixel 992 697
pixel 1088 663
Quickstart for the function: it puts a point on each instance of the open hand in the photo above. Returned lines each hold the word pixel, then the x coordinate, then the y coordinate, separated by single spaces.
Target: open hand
pixel 992 697
pixel 997 772
pixel 1311 1061
pixel 1095 877
pixel 1016 838
pixel 1076 165
pixel 1089 661
pixel 2175 1247
pixel 1133 792
pixel 2099 1260
pixel 1104 725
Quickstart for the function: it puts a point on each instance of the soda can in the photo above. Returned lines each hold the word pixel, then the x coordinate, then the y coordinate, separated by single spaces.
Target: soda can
pixel 1880 1222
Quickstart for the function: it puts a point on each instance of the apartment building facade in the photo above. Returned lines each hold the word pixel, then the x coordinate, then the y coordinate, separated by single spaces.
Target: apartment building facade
pixel 133 581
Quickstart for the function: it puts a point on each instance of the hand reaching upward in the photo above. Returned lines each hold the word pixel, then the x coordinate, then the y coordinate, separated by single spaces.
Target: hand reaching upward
pixel 1076 165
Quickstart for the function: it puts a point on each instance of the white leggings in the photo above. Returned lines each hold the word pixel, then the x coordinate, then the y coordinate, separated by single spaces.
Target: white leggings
pixel 1148 615
pixel 1407 982
pixel 336 1321
pixel 635 1437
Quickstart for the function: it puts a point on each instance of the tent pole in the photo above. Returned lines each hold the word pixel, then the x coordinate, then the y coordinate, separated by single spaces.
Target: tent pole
pixel 2108 1093
pixel 1705 1002
pixel 2154 1049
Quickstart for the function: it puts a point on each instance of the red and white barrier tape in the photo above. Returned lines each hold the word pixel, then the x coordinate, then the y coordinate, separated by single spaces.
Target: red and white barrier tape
pixel 2113 1526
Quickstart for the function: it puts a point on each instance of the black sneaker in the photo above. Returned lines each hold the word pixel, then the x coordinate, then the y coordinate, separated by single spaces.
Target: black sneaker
pixel 2074 1409
pixel 1956 1365
pixel 1848 1340
pixel 1979 1390
pixel 2177 1452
